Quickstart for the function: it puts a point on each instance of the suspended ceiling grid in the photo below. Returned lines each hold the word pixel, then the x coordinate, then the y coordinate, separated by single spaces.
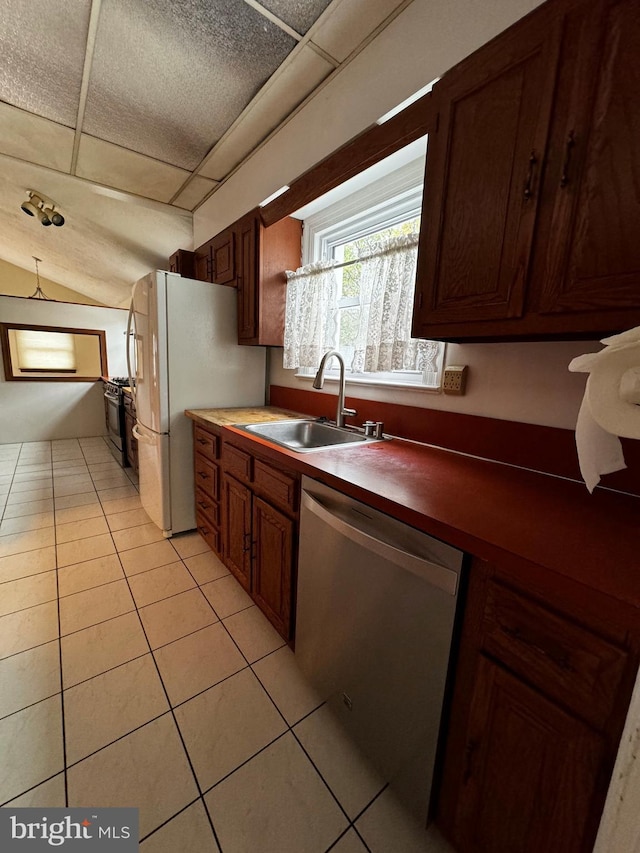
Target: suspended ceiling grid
pixel 158 100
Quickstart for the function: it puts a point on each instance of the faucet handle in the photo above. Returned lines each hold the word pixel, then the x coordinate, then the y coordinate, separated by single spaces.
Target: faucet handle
pixel 348 413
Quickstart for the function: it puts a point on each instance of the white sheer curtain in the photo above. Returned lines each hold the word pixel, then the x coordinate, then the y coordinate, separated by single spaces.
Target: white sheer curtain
pixel 310 315
pixel 387 281
pixel 383 339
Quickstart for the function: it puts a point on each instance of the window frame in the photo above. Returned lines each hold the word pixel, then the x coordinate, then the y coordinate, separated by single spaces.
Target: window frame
pixel 388 201
pixel 12 372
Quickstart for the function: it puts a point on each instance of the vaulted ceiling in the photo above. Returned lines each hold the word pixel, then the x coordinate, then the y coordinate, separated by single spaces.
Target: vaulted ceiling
pixel 130 113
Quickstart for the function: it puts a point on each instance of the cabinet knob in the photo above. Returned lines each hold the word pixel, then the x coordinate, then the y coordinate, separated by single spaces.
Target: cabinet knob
pixel 203 475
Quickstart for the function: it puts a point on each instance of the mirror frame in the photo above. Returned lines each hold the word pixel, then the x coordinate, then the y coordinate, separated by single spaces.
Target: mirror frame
pixel 6 352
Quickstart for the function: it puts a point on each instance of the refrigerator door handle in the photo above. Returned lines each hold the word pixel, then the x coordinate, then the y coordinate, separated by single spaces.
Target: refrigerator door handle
pixel 144 439
pixel 131 333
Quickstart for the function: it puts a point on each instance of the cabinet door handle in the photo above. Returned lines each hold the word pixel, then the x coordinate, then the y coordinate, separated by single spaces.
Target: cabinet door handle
pixel 246 547
pixel 528 181
pixel 564 177
pixel 469 753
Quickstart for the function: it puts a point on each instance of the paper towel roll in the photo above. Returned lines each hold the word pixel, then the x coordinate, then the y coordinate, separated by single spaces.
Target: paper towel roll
pixel 613 390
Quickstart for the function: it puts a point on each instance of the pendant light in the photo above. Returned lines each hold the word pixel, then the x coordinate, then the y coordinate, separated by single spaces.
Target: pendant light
pixel 39 292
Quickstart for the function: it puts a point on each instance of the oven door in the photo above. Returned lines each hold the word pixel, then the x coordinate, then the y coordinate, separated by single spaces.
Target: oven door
pixel 113 412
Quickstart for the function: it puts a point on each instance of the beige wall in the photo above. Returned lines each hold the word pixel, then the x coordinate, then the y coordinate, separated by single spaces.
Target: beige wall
pixel 15 281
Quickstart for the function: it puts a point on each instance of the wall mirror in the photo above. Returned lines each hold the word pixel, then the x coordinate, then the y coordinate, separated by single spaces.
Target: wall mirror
pixel 52 353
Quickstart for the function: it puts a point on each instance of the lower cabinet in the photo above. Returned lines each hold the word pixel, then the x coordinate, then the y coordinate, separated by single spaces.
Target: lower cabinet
pixel 537 713
pixel 260 507
pixel 249 517
pixel 131 441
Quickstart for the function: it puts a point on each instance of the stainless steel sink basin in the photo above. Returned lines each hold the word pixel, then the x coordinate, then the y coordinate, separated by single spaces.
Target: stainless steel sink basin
pixel 305 435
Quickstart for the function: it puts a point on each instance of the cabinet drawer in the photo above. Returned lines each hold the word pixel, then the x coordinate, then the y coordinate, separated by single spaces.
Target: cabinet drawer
pixel 568 663
pixel 207 477
pixel 207 506
pixel 280 487
pixel 237 462
pixel 205 443
pixel 208 532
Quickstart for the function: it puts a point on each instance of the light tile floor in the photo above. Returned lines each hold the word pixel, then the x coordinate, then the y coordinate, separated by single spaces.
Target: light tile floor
pixel 135 671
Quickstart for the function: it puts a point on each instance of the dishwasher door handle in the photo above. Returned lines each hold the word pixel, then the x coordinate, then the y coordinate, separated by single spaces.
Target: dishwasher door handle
pixel 437 575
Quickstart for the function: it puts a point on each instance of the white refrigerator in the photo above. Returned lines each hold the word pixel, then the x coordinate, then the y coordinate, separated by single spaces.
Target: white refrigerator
pixel 182 352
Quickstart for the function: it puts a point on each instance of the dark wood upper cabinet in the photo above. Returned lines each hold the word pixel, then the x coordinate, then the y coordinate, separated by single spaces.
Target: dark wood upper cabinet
pixel 203 266
pixel 262 256
pixel 594 169
pixel 483 176
pixel 247 278
pixel 254 258
pixel 223 257
pixel 532 180
pixel 183 262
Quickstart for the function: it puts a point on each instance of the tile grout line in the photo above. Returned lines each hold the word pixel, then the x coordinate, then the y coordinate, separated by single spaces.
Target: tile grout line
pixel 64 737
pixel 172 711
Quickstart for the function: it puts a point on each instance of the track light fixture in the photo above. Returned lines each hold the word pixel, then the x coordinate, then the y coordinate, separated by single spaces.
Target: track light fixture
pixel 43 208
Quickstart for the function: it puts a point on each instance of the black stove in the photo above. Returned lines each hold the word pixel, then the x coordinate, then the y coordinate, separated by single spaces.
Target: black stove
pixel 114 414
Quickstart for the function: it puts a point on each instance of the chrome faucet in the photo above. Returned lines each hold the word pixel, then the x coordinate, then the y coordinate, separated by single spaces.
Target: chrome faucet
pixel 318 382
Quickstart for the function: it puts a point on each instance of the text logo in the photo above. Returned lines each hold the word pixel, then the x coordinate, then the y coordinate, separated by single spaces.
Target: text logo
pixel 35 830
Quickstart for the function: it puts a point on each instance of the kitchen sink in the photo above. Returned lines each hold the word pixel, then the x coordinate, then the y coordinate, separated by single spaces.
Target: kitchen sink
pixel 305 435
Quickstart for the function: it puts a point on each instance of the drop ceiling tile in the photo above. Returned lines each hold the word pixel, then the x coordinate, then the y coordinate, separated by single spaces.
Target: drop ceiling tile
pixel 298 14
pixel 35 139
pixel 350 24
pixel 43 49
pixel 174 91
pixel 126 170
pixel 195 191
pixel 295 80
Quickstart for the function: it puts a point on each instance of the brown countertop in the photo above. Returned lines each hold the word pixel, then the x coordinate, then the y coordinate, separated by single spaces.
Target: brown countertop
pixel 244 415
pixel 492 510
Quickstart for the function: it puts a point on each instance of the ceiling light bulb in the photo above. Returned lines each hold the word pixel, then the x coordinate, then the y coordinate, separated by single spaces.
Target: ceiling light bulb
pixel 56 218
pixel 42 216
pixel 29 208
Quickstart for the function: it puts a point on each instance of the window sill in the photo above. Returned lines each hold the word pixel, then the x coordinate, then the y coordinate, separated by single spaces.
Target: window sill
pixel 374 383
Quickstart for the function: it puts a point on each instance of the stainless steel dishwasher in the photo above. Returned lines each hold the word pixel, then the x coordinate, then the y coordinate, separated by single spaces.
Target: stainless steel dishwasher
pixel 374 622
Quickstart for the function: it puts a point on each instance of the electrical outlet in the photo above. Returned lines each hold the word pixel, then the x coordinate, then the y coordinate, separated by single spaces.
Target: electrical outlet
pixel 455 379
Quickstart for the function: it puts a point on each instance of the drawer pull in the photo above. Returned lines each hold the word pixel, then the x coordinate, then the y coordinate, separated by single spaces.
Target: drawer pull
pixel 571 141
pixel 203 530
pixel 202 441
pixel 528 181
pixel 560 659
pixel 203 475
pixel 204 504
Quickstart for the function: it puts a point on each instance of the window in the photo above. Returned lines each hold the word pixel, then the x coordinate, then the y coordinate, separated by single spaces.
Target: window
pixel 52 353
pixel 44 352
pixel 355 290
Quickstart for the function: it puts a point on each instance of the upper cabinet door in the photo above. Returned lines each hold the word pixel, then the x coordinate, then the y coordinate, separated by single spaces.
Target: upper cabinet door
pixel 483 176
pixel 247 278
pixel 223 257
pixel 592 259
